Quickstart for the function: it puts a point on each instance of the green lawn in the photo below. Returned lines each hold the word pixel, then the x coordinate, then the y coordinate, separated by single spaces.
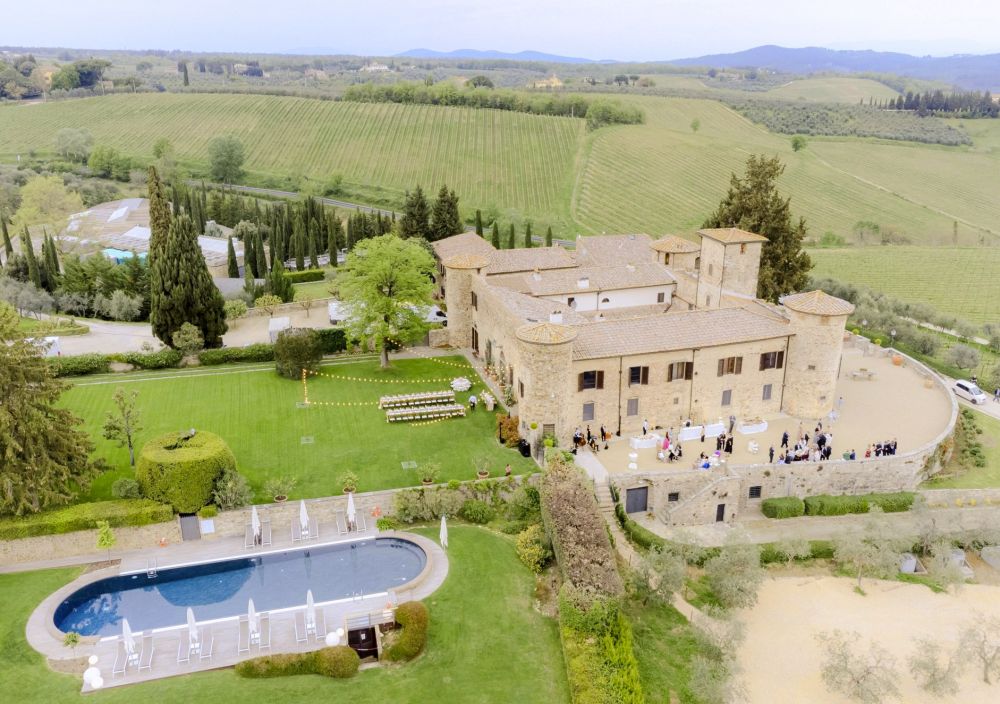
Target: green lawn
pixel 256 412
pixel 978 477
pixel 486 645
pixel 664 646
pixel 312 290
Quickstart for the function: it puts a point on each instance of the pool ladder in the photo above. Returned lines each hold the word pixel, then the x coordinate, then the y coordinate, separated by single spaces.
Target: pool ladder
pixel 151 567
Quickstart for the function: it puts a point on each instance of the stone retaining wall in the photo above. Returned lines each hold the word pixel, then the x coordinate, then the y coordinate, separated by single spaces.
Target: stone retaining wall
pixel 84 542
pixel 959 498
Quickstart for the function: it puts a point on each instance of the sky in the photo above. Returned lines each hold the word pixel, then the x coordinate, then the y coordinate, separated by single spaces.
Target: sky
pixel 631 30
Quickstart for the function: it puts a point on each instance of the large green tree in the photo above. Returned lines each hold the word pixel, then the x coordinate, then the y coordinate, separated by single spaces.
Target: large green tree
pixel 226 156
pixel 182 289
pixel 386 285
pixel 44 458
pixel 415 221
pixel 445 220
pixel 754 204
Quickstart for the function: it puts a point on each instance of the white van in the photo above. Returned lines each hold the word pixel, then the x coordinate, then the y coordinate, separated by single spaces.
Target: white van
pixel 969 391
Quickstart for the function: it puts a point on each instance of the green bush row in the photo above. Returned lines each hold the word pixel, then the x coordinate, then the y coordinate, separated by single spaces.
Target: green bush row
pixel 84 517
pixel 339 661
pixel 783 507
pixel 149 360
pixel 826 505
pixel 414 618
pixel 261 352
pixel 332 340
pixel 80 364
pixel 305 276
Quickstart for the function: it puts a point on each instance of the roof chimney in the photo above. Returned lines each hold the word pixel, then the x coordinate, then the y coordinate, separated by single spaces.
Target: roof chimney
pixel 555 317
pixel 583 282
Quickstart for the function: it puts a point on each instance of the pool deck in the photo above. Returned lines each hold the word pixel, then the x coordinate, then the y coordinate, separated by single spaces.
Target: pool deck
pixel 44 637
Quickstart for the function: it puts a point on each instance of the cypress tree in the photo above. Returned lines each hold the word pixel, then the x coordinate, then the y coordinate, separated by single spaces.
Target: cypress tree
pixel 234 267
pixel 495 237
pixel 279 285
pixel 415 221
pixel 186 292
pixel 250 255
pixel 313 252
pixel 7 246
pixel 350 233
pixel 528 244
pixel 187 81
pixel 479 223
pixel 445 220
pixel 336 236
pixel 299 243
pixel 260 258
pixel 159 214
pixel 510 237
pixel 548 237
pixel 34 273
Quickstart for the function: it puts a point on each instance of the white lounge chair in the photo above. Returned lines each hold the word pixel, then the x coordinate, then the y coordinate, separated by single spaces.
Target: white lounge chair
pixel 146 656
pixel 243 645
pixel 301 636
pixel 265 633
pixel 207 642
pixel 184 649
pixel 320 625
pixel 121 659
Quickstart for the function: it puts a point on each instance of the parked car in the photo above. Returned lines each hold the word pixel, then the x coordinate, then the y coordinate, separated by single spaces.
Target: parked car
pixel 969 391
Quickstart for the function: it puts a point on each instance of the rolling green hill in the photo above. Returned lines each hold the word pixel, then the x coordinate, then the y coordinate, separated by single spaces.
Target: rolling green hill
pixel 832 89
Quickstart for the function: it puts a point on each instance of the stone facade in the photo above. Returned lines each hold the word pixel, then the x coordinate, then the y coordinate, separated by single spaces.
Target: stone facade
pixel 814 353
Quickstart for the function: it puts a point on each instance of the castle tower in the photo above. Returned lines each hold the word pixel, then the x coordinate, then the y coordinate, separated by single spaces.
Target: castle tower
pixel 729 264
pixel 460 271
pixel 814 351
pixel 543 380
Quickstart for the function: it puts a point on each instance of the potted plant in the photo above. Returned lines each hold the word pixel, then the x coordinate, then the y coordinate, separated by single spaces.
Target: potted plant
pixel 279 488
pixel 482 467
pixel 349 481
pixel 429 473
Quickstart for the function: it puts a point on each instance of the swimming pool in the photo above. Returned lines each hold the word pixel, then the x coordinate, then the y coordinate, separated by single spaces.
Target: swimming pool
pixel 222 589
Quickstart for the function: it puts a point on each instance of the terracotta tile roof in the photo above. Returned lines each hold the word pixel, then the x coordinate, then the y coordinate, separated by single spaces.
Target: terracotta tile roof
pixel 463 243
pixel 732 235
pixel 598 278
pixel 466 261
pixel 682 330
pixel 532 309
pixel 818 303
pixel 607 250
pixel 672 244
pixel 508 261
pixel 546 333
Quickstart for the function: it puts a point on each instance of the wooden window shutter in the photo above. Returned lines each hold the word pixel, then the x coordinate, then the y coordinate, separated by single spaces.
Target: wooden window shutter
pixel 645 375
pixel 600 379
pixel 722 367
pixel 670 372
pixel 739 365
pixel 781 359
pixel 580 382
pixel 688 370
pixel 763 361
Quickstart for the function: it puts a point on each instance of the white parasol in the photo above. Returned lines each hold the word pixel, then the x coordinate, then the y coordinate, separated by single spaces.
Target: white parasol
pixel 127 638
pixel 252 618
pixel 303 518
pixel 351 512
pixel 310 611
pixel 443 536
pixel 255 525
pixel 193 636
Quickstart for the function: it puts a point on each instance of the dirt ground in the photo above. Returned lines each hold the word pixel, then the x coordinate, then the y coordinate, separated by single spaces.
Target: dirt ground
pixel 781 658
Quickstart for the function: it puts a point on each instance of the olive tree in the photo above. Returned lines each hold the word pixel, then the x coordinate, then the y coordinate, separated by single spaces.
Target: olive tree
pixel 735 575
pixel 980 642
pixel 935 672
pixel 869 677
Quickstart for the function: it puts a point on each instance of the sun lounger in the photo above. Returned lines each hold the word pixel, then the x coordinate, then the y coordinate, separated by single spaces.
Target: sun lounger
pixel 341 520
pixel 296 531
pixel 243 646
pixel 207 641
pixel 121 659
pixel 320 625
pixel 301 636
pixel 184 649
pixel 265 633
pixel 265 530
pixel 146 655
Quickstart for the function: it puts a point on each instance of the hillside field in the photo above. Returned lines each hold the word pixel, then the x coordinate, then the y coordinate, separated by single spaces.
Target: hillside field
pixel 833 89
pixel 963 281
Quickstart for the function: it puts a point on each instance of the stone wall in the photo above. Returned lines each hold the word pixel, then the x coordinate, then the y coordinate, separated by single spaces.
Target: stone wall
pixel 813 362
pixel 741 267
pixel 84 542
pixel 713 258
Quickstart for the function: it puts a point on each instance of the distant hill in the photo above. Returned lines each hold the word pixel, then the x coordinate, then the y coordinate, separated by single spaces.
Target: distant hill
pixel 966 70
pixel 492 54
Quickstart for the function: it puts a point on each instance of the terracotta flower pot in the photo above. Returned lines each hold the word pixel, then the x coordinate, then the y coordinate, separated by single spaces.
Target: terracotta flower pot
pixel 483 475
pixel 280 499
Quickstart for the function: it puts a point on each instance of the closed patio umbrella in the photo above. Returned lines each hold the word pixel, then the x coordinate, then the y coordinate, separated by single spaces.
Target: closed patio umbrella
pixel 303 517
pixel 252 617
pixel 193 636
pixel 127 638
pixel 443 536
pixel 310 610
pixel 351 512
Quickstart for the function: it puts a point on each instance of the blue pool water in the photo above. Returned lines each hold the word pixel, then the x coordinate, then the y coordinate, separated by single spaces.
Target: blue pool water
pixel 222 589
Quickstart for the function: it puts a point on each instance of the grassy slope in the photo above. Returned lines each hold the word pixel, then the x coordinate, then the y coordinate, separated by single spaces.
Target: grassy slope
pixel 962 281
pixel 256 413
pixel 979 477
pixel 486 645
pixel 664 646
pixel 832 89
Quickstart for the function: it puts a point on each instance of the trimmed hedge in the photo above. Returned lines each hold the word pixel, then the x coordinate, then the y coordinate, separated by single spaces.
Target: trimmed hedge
pixel 80 364
pixel 340 661
pixel 149 360
pixel 261 352
pixel 784 507
pixel 332 340
pixel 182 472
pixel 140 512
pixel 414 618
pixel 305 276
pixel 826 505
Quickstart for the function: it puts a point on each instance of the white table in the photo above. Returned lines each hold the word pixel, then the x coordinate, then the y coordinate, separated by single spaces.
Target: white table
pixel 639 442
pixel 714 430
pixel 690 433
pixel 751 428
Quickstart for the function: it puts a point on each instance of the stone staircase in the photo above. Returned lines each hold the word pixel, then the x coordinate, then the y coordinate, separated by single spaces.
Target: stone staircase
pixel 604 499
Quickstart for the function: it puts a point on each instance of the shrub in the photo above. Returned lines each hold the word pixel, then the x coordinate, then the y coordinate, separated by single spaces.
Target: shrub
pixel 476 511
pixel 412 505
pixel 826 505
pixel 302 277
pixel 413 617
pixel 525 503
pixel 232 490
pixel 182 470
pixel 125 488
pixel 332 340
pixel 532 548
pixel 507 429
pixel 386 523
pixel 295 350
pixel 261 352
pixel 80 364
pixel 162 359
pixel 784 507
pixel 280 486
pixel 234 309
pixel 84 517
pixel 348 481
pixel 339 661
pixel 209 511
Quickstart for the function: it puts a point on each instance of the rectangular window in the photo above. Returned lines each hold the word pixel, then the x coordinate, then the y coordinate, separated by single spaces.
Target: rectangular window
pixel 743 248
pixel 754 492
pixel 632 407
pixel 772 360
pixel 680 370
pixel 475 301
pixel 549 429
pixel 811 367
pixel 730 365
pixel 638 375
pixel 727 397
pixel 588 411
pixel 520 388
pixel 590 380
pixel 674 496
pixel 661 297
pixel 766 396
pixel 571 302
